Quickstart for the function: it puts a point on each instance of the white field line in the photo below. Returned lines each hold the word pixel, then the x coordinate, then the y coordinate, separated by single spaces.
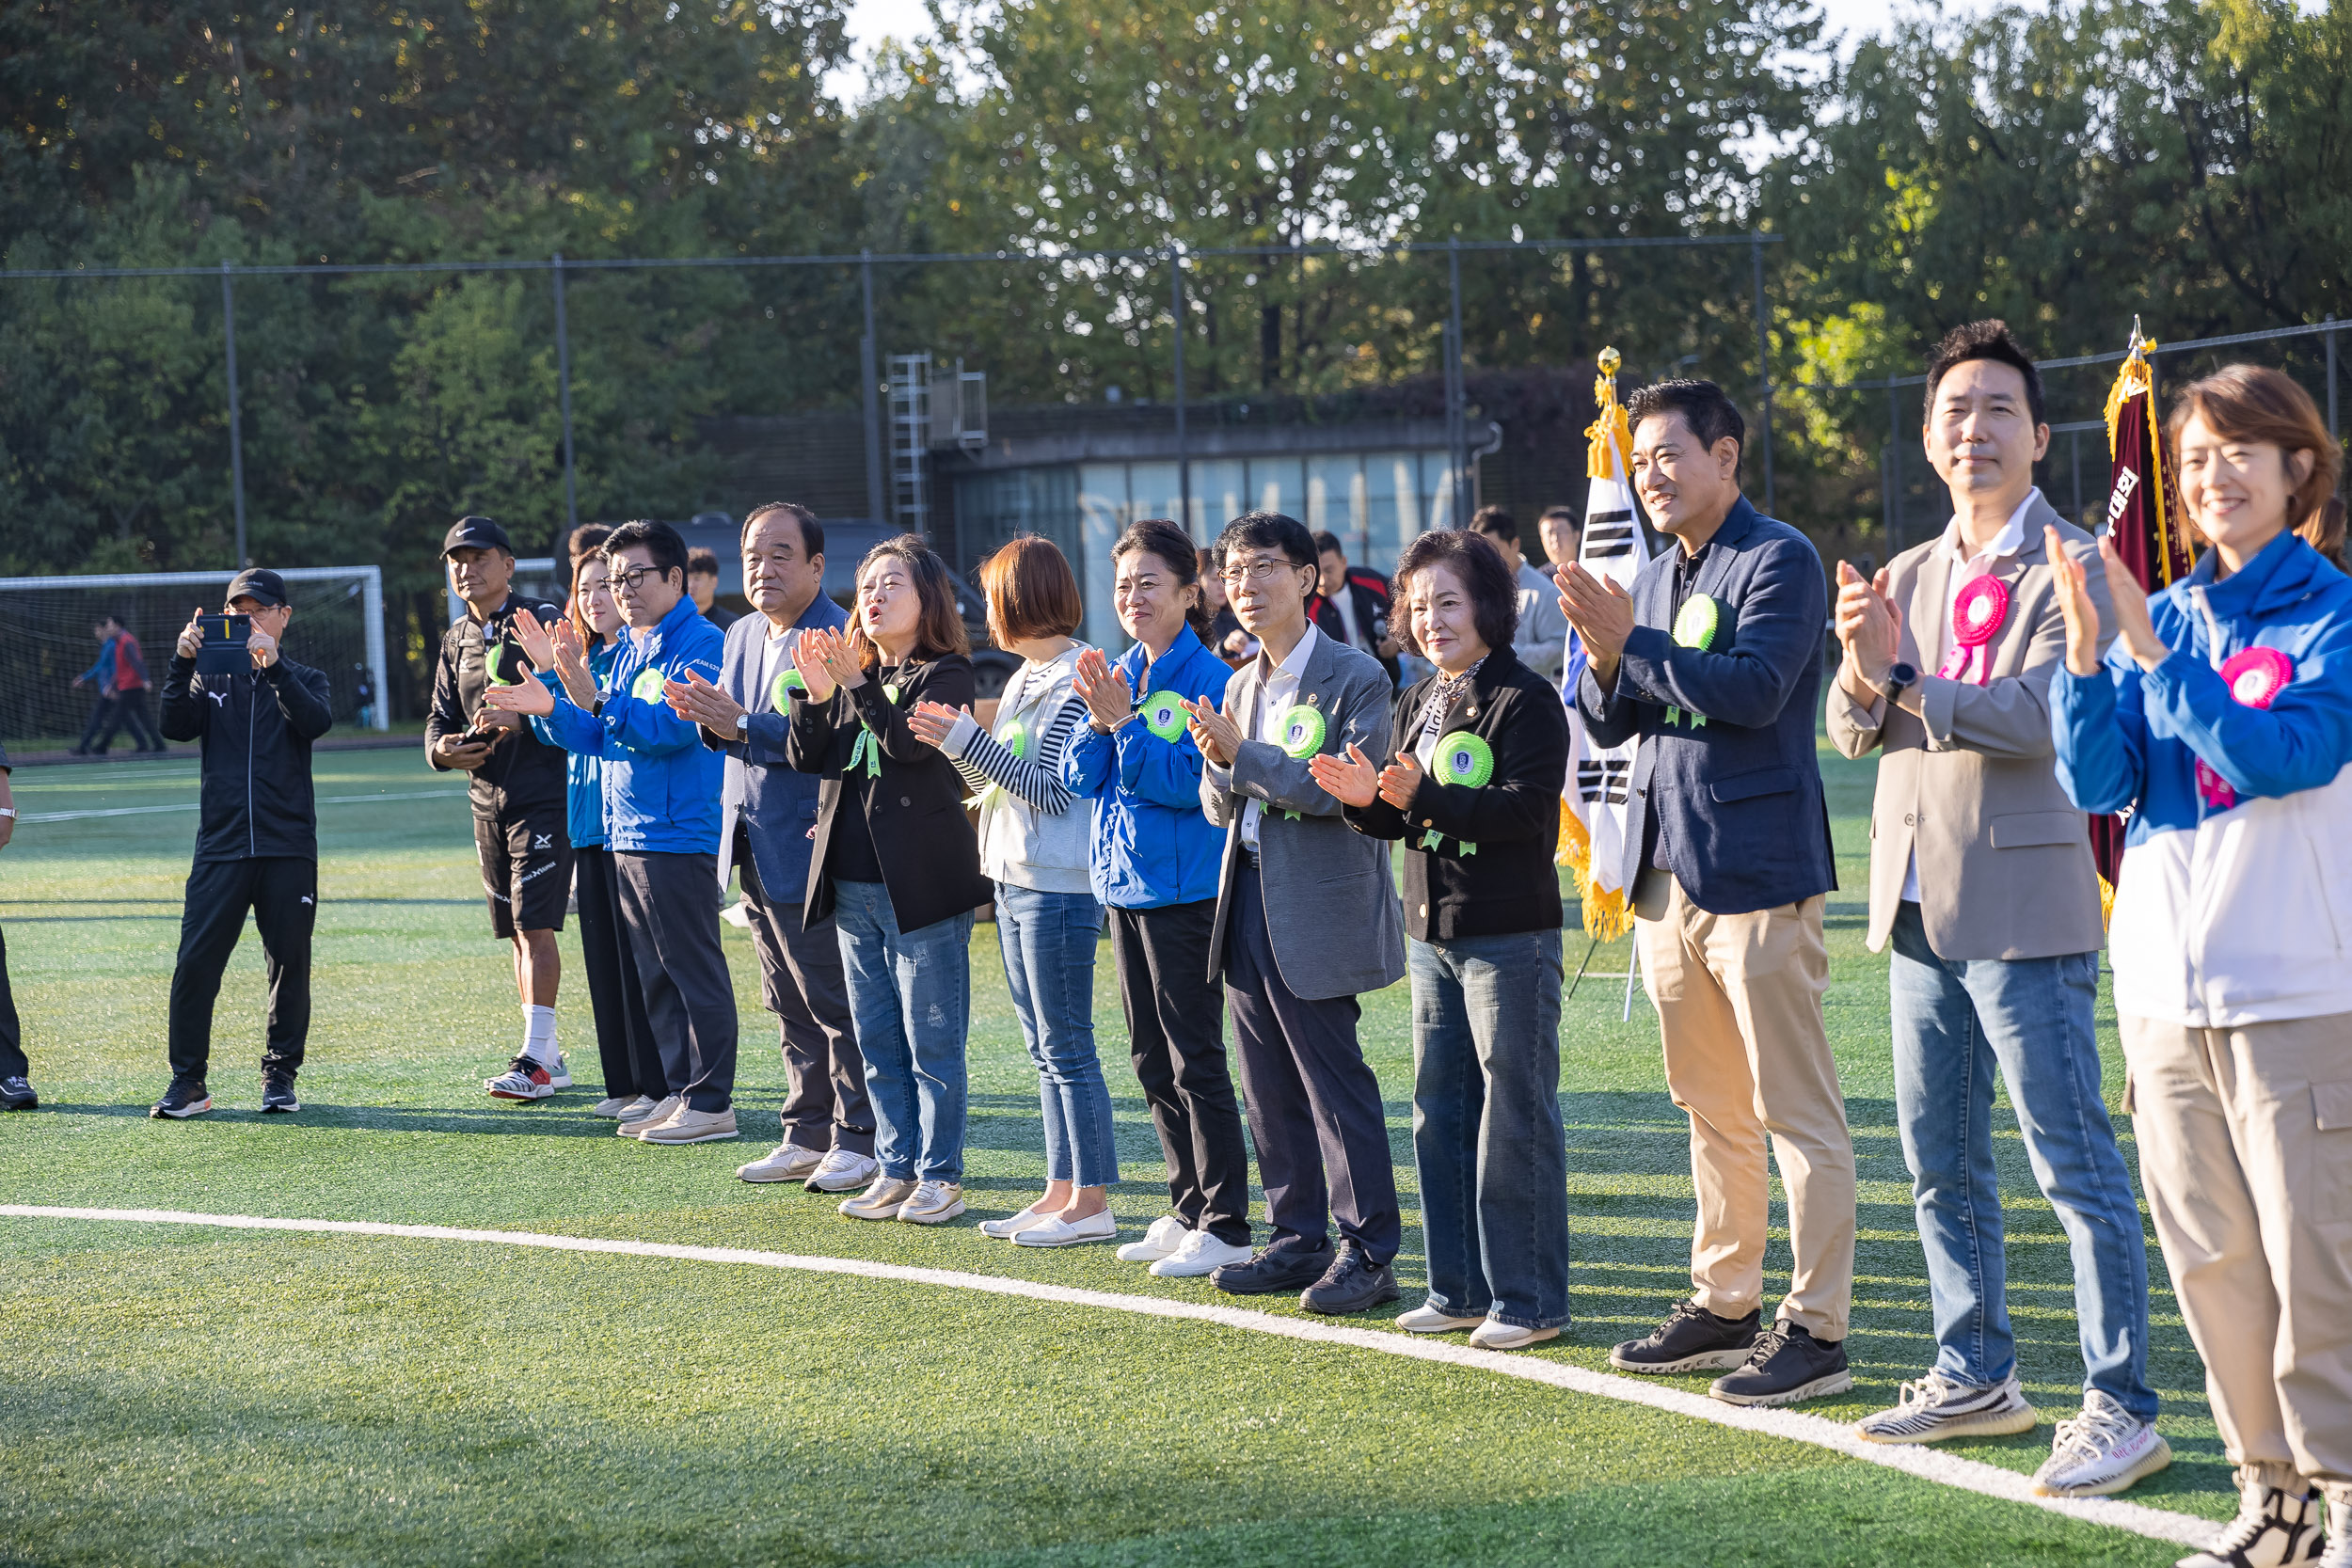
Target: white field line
pixel 192 805
pixel 1947 1470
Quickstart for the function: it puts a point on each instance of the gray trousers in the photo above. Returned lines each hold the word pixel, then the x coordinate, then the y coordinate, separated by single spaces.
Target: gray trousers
pixel 800 981
pixel 671 906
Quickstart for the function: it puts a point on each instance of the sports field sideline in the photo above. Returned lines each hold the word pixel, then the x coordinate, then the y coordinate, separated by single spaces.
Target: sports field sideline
pixel 182 1392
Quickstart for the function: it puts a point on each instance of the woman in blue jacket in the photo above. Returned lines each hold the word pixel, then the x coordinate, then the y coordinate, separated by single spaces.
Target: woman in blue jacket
pixel 632 1066
pixel 1154 861
pixel 2221 720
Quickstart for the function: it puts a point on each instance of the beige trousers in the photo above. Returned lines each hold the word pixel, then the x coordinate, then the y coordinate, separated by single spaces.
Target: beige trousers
pixel 2246 1151
pixel 1739 999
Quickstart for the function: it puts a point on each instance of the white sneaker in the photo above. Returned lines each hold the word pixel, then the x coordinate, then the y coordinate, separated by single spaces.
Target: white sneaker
pixel 2271 1530
pixel 687 1125
pixel 881 1201
pixel 789 1163
pixel 1201 1254
pixel 2103 1450
pixel 637 1126
pixel 613 1106
pixel 2338 1552
pixel 1426 1319
pixel 1013 1225
pixel 1100 1226
pixel 840 1170
pixel 737 914
pixel 1491 1335
pixel 1166 1234
pixel 932 1203
pixel 1933 1408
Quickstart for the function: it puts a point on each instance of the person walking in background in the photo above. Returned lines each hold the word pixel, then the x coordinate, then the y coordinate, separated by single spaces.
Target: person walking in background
pixel 1543 631
pixel 702 585
pixel 121 678
pixel 660 815
pixel 16 1083
pixel 1306 920
pixel 1033 846
pixel 1474 793
pixel 896 865
pixel 1350 607
pixel 257 844
pixel 2220 719
pixel 1981 877
pixel 516 784
pixel 1153 862
pixel 100 676
pixel 769 806
pixel 633 1075
pixel 1714 660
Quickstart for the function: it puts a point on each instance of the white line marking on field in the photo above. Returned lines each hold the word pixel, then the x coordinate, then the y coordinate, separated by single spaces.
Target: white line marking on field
pixel 193 805
pixel 1946 1470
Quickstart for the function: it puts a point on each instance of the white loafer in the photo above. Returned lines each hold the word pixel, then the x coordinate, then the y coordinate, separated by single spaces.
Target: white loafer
pixel 1491 1335
pixel 1098 1227
pixel 1013 1225
pixel 1426 1319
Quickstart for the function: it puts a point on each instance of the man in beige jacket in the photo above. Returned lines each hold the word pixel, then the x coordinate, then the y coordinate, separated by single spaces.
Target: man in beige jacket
pixel 1981 876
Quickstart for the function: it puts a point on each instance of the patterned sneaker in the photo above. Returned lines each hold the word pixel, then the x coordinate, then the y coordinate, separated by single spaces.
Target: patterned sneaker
pixel 1935 1407
pixel 2272 1530
pixel 523 1079
pixel 2103 1450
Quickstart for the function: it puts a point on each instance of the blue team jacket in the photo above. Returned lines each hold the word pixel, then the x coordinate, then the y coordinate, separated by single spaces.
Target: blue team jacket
pixel 583 773
pixel 660 783
pixel 1151 843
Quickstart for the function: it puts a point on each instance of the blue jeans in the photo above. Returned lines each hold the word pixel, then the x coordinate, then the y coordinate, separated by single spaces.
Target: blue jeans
pixel 1048 941
pixel 911 998
pixel 1955 1022
pixel 1487 1142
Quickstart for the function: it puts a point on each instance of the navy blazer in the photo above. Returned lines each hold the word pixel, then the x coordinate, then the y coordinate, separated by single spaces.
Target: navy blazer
pixel 775 802
pixel 1738 799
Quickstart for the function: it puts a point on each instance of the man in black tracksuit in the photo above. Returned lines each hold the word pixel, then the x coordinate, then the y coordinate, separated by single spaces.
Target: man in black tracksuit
pixel 519 833
pixel 257 844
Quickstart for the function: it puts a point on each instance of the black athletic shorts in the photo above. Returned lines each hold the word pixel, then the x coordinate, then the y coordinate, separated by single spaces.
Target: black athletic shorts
pixel 526 869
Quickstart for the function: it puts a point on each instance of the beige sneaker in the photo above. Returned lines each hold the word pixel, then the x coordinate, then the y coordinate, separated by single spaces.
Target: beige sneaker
pixel 1491 1335
pixel 636 1126
pixel 789 1163
pixel 690 1126
pixel 881 1201
pixel 936 1203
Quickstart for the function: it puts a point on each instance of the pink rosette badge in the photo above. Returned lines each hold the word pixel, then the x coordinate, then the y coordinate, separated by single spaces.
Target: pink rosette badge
pixel 2255 676
pixel 1978 613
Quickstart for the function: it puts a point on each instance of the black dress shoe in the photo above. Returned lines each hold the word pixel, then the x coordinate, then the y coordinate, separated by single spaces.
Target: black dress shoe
pixel 1354 1283
pixel 1787 1367
pixel 277 1094
pixel 1272 1272
pixel 16 1094
pixel 1691 1340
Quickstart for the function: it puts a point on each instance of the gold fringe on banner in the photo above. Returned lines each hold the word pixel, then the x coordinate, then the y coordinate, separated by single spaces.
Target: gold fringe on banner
pixel 2133 379
pixel 1576 844
pixel 1605 912
pixel 1609 439
pixel 2107 904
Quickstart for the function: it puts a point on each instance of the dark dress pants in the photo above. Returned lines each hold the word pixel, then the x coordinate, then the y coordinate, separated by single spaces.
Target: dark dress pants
pixel 13 1062
pixel 801 982
pixel 670 903
pixel 1176 1037
pixel 1315 1105
pixel 282 893
pixel 625 1045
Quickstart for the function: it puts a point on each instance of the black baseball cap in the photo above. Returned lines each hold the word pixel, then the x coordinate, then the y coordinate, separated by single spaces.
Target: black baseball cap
pixel 479 533
pixel 257 583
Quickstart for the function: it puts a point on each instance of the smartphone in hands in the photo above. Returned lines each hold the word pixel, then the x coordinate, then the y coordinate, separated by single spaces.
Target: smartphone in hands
pixel 224 652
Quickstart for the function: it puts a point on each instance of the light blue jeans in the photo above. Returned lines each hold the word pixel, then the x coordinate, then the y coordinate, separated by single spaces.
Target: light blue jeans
pixel 910 999
pixel 1048 941
pixel 1956 1021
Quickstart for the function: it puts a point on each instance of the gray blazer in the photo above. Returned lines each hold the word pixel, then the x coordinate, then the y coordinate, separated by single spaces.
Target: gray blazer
pixel 1330 898
pixel 2004 867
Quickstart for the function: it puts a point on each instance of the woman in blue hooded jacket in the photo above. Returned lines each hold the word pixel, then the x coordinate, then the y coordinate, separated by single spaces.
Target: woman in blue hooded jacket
pixel 1153 862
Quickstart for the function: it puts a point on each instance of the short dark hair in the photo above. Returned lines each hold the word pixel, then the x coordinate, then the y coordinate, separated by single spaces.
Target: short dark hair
pixel 1269 530
pixel 586 541
pixel 1495 523
pixel 1985 340
pixel 1494 598
pixel 664 544
pixel 1701 404
pixel 1328 542
pixel 1569 515
pixel 701 562
pixel 812 531
pixel 1032 592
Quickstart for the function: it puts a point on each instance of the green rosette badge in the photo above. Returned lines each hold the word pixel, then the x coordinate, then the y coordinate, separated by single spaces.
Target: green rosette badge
pixel 1303 731
pixel 1164 714
pixel 1700 619
pixel 1465 761
pixel 646 687
pixel 780 695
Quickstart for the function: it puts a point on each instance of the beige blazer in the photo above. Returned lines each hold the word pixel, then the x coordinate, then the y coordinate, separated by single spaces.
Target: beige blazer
pixel 2005 866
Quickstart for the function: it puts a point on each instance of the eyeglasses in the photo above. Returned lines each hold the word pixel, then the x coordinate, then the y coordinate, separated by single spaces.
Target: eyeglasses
pixel 634 577
pixel 1261 570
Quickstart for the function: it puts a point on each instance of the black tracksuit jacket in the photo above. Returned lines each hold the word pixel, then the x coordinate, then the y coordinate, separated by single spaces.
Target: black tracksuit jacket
pixel 256 729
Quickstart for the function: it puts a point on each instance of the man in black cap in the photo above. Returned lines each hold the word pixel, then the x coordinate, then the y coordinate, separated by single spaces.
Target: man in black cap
pixel 257 846
pixel 518 789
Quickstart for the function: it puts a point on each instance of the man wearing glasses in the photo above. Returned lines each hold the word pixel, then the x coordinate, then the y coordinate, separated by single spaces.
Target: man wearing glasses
pixel 1295 874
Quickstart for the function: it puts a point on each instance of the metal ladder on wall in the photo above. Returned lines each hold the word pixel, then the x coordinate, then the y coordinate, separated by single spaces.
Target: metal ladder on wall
pixel 910 436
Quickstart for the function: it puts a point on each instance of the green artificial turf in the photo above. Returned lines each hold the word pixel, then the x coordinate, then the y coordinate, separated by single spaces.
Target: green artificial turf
pixel 181 1395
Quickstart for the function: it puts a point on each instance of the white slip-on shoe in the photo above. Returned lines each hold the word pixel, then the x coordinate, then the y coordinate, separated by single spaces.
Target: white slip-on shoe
pixel 841 1171
pixel 1201 1256
pixel 690 1126
pixel 1013 1225
pixel 1098 1227
pixel 788 1163
pixel 1931 1408
pixel 1426 1319
pixel 932 1203
pixel 611 1106
pixel 653 1115
pixel 2103 1450
pixel 881 1201
pixel 1166 1234
pixel 1492 1335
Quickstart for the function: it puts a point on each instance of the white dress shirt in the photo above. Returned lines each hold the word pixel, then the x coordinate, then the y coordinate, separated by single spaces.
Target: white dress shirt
pixel 1278 693
pixel 1965 568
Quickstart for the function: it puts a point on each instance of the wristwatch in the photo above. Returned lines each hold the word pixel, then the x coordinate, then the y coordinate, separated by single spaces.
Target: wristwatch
pixel 1900 675
pixel 743 727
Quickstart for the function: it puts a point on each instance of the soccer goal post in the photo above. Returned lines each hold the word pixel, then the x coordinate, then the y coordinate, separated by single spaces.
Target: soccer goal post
pixel 50 636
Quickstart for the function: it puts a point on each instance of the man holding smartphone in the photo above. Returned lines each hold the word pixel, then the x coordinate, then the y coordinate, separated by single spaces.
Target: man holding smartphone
pixel 257 844
pixel 519 830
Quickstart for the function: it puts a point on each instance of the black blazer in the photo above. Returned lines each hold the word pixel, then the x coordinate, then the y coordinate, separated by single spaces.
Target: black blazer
pixel 1370 607
pixel 1510 884
pixel 930 859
